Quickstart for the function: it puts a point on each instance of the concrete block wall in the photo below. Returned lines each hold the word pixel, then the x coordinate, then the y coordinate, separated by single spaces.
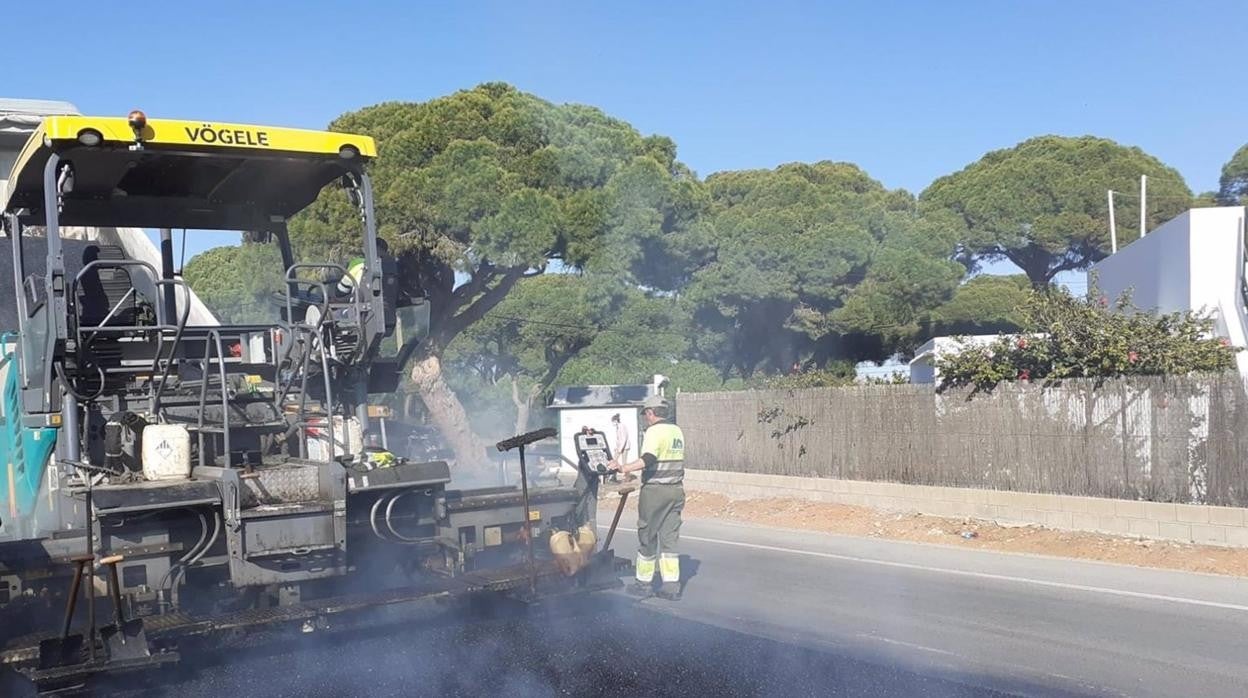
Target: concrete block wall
pixel 1209 525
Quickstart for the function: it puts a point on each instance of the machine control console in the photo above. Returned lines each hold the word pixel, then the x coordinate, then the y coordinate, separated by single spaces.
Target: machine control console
pixel 592 451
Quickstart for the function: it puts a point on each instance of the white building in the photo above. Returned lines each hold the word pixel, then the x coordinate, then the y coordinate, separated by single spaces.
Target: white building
pixel 923 366
pixel 1193 262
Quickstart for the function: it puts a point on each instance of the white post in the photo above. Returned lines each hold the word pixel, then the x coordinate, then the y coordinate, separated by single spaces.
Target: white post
pixel 1113 229
pixel 1143 204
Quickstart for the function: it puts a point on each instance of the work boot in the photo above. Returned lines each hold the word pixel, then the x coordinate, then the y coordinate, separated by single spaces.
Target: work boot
pixel 669 591
pixel 641 590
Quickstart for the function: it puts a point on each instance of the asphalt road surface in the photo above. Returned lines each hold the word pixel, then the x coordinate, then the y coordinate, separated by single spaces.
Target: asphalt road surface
pixel 781 613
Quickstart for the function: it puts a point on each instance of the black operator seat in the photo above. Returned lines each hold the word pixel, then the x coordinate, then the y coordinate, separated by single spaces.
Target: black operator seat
pixel 101 289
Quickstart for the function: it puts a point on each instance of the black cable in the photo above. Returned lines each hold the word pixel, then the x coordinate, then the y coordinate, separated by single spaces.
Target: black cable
pixel 216 533
pixel 59 368
pixel 203 535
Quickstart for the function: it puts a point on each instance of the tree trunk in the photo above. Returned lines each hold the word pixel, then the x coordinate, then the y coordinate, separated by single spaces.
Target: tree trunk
pixel 447 414
pixel 524 406
pixel 1039 274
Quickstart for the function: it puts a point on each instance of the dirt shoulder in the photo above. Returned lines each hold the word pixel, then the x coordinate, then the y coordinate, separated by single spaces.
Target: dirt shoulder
pixel 972 533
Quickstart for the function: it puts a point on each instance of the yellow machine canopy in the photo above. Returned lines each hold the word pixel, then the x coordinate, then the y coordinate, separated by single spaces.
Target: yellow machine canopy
pixel 180 174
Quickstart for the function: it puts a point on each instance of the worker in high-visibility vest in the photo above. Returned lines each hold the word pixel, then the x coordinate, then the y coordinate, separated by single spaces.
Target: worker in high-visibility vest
pixel 660 502
pixel 348 282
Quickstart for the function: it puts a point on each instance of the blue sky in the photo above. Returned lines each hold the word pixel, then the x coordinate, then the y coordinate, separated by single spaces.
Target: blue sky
pixel 907 90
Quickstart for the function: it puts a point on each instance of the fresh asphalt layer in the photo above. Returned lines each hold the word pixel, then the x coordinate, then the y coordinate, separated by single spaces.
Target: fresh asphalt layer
pixel 776 612
pixel 1018 623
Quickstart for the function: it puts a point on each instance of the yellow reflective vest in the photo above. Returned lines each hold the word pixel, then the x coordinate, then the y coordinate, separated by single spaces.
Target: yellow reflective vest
pixel 666 443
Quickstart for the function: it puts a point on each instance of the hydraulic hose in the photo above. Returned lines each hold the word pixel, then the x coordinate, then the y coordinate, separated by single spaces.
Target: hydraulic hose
pixel 372 516
pixel 390 524
pixel 216 533
pixel 203 535
pixel 59 368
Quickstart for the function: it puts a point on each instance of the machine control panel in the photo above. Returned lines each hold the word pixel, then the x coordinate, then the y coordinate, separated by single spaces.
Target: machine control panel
pixel 592 450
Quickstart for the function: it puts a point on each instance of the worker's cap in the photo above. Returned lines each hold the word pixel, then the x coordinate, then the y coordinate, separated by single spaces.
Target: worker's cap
pixel 654 401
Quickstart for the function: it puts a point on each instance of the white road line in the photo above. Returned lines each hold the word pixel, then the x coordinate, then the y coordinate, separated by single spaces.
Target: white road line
pixel 911 645
pixel 966 573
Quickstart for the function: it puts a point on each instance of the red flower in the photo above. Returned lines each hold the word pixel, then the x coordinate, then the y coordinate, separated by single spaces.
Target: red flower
pixel 1104 302
pixel 1132 357
pixel 1024 375
pixel 1022 342
pixel 1224 342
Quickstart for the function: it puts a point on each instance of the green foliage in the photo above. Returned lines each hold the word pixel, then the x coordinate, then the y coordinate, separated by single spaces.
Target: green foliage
pixel 895 378
pixel 983 305
pixel 721 284
pixel 686 376
pixel 1069 337
pixel 803 256
pixel 532 333
pixel 236 282
pixel 1042 204
pixel 835 374
pixel 1206 199
pixel 550 331
pixel 642 335
pixel 494 184
pixel 1233 185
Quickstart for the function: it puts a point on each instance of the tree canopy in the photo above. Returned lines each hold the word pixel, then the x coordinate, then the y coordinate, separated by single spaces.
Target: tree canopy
pixel 485 187
pixel 558 245
pixel 237 282
pixel 520 348
pixel 1233 185
pixel 1042 203
pixel 984 304
pixel 814 261
pixel 481 188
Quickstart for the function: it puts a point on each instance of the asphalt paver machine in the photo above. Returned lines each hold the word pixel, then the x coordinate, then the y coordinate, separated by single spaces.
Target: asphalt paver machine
pixel 184 480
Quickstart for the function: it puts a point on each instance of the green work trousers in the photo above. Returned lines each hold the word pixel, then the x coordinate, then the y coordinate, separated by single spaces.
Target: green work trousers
pixel 658 518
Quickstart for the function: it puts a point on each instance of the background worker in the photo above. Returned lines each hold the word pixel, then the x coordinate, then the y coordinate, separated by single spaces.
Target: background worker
pixel 660 502
pixel 622 443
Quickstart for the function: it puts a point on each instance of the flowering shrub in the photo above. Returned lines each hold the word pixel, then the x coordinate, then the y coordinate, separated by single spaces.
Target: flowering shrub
pixel 1071 337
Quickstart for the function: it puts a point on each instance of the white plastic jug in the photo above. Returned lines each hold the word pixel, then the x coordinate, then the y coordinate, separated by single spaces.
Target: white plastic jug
pixel 166 452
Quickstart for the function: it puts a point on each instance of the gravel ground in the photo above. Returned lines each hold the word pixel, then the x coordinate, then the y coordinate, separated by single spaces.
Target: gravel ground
pixel 979 534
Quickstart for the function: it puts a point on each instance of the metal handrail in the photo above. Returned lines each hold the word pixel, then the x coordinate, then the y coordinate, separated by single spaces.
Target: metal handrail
pixel 356 302
pixel 117 264
pixel 213 341
pixel 11 354
pixel 316 333
pixel 303 326
pixel 89 332
pixel 154 402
